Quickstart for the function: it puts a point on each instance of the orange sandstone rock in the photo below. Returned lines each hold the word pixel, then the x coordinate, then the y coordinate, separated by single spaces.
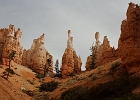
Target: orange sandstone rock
pixel 71 63
pixel 103 52
pixel 37 57
pixel 10 40
pixel 129 41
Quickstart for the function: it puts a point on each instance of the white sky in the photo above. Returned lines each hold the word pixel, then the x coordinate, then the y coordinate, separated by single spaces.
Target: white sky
pixel 55 17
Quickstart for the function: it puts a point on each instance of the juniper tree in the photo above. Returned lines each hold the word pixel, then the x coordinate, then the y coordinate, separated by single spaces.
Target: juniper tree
pixel 11 57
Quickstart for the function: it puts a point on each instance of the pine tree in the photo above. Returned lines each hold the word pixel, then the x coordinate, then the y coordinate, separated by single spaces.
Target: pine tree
pixel 93 65
pixel 11 57
pixel 57 69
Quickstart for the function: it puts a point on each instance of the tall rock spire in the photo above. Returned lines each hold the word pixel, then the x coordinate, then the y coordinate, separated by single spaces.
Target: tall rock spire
pixel 69 41
pixel 37 57
pixel 71 63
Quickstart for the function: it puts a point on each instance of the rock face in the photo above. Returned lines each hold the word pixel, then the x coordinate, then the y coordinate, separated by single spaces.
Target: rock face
pixel 10 40
pixel 71 63
pixel 89 63
pixel 37 57
pixel 90 58
pixel 98 43
pixel 129 41
pixel 103 53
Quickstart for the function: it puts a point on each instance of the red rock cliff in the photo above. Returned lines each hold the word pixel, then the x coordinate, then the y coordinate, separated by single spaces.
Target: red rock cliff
pixel 129 41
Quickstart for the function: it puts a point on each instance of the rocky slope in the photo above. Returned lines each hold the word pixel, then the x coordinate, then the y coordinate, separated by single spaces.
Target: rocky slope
pixel 9 92
pixel 12 89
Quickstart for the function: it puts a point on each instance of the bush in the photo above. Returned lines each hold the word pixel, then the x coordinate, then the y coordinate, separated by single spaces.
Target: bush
pixel 10 71
pixel 28 92
pixel 117 69
pixel 113 90
pixel 115 65
pixel 32 83
pixel 58 75
pixel 76 93
pixel 72 74
pixel 39 76
pixel 50 86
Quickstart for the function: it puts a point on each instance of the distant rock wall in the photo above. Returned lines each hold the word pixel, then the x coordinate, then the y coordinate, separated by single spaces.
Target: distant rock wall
pixel 10 40
pixel 129 41
pixel 71 63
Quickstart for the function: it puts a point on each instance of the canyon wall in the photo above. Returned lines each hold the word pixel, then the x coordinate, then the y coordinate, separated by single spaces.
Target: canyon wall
pixel 129 41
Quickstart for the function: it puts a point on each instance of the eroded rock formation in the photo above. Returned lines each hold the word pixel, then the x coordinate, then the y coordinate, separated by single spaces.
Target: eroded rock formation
pixel 10 40
pixel 37 57
pixel 71 63
pixel 94 49
pixel 129 41
pixel 103 53
pixel 89 63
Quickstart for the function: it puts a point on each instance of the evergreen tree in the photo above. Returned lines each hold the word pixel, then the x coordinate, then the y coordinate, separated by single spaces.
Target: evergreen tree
pixel 93 65
pixel 9 70
pixel 46 68
pixel 11 57
pixel 57 67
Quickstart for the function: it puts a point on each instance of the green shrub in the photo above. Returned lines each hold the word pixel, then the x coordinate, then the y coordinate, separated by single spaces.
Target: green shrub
pixel 113 90
pixel 76 93
pixel 72 74
pixel 58 75
pixel 115 65
pixel 50 86
pixel 10 71
pixel 117 70
pixel 128 97
pixel 94 77
pixel 28 92
pixel 30 82
pixel 39 76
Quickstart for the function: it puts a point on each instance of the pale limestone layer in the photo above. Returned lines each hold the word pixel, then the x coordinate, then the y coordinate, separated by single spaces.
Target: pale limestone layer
pixel 10 40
